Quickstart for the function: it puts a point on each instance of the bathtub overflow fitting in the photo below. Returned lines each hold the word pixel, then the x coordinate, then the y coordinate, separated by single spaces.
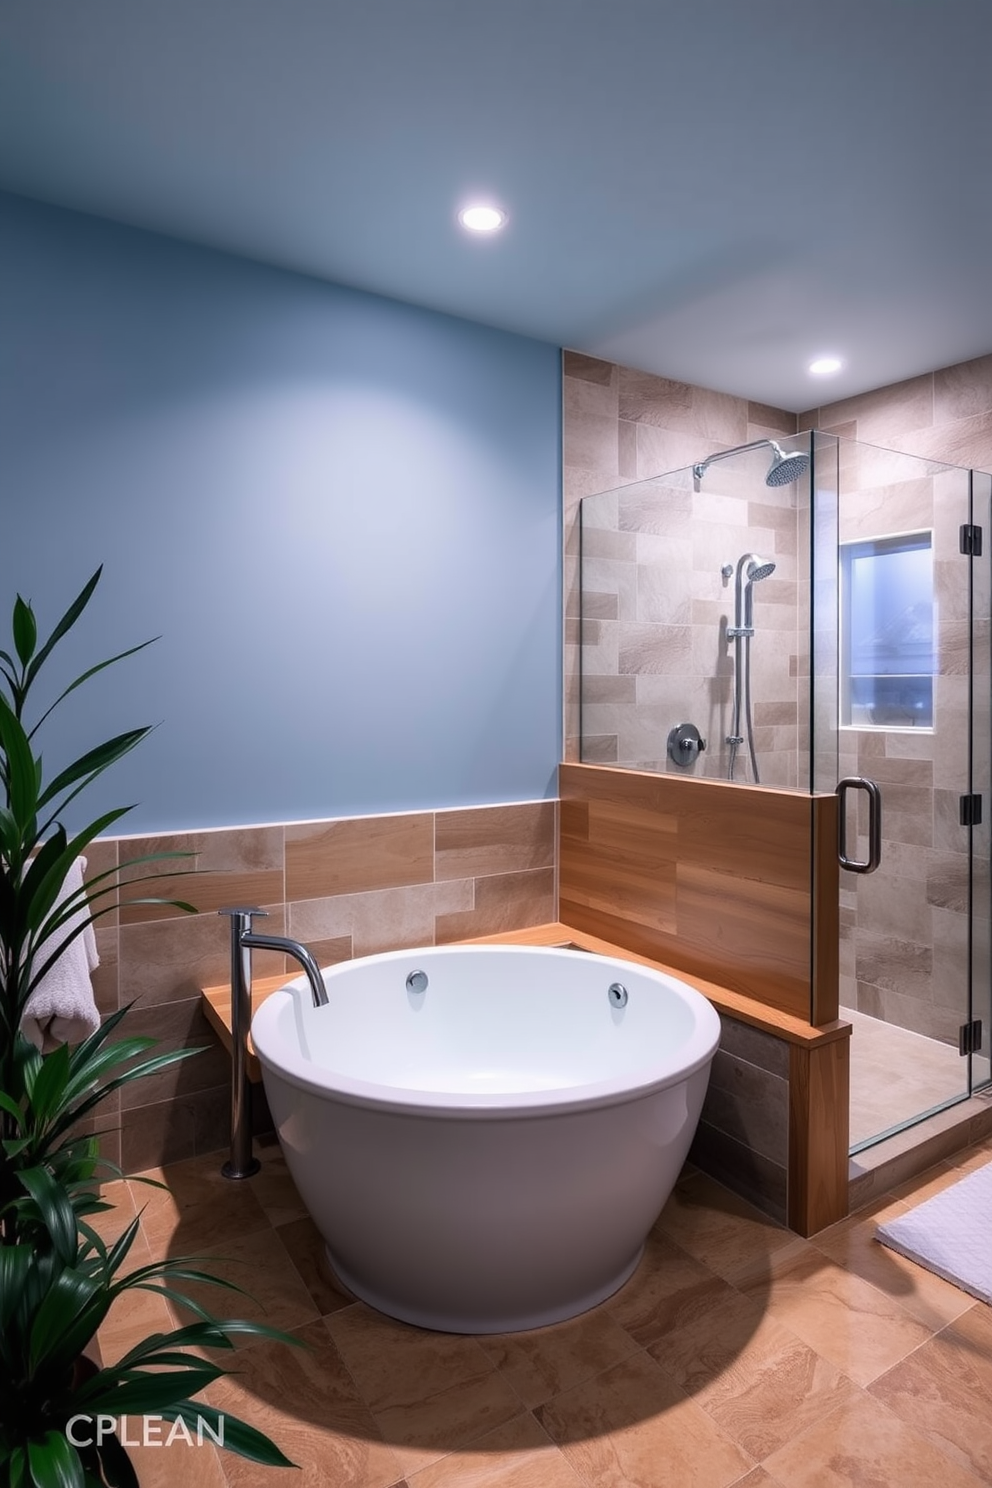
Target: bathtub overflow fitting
pixel 618 995
pixel 417 981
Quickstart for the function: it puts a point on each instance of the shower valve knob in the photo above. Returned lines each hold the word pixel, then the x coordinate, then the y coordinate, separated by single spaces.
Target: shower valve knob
pixel 685 744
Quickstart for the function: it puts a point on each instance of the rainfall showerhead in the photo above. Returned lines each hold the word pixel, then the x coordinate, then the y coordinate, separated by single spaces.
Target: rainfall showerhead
pixel 783 469
pixel 759 569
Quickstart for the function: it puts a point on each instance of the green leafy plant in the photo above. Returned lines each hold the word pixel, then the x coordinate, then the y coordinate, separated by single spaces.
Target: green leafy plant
pixel 43 1098
pixel 58 1279
pixel 51 1304
pixel 43 1155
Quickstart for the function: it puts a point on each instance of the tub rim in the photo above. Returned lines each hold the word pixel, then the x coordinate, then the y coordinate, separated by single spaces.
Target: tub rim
pixel 293 1066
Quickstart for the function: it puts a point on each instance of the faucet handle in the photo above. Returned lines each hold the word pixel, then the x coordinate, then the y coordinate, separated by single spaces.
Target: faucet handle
pixel 238 910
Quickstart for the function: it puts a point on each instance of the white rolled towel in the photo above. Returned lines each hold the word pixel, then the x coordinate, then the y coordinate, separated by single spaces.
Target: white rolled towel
pixel 62 1008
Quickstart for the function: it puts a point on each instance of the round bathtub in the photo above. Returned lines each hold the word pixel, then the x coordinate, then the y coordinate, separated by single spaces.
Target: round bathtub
pixel 484 1135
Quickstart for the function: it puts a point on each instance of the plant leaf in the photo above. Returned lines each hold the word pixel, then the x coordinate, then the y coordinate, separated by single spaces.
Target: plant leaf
pixel 20 774
pixel 29 1062
pixel 238 1436
pixel 148 1067
pixel 15 1265
pixel 68 620
pixel 49 1088
pixel 25 631
pixel 151 1393
pixel 17 1468
pixel 54 1207
pixel 54 1463
pixel 67 1318
pixel 49 865
pixel 122 1245
pixel 91 673
pixel 93 763
pixel 115 1464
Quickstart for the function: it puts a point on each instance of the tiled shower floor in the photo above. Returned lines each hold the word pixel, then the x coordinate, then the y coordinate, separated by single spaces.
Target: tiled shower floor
pixel 896 1075
pixel 736 1354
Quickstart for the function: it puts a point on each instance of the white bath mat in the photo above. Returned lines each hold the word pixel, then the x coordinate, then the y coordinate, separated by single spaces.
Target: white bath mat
pixel 950 1234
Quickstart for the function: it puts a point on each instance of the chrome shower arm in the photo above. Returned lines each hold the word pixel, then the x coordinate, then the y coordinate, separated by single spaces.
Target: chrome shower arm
pixel 783 469
pixel 739 449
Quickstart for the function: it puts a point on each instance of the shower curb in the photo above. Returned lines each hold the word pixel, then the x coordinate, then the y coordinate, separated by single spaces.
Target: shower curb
pixel 911 1152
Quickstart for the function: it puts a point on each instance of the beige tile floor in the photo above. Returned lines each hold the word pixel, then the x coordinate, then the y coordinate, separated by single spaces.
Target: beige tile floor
pixel 738 1353
pixel 897 1075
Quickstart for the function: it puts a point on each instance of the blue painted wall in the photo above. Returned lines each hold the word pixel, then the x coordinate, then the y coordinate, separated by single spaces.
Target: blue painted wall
pixel 339 512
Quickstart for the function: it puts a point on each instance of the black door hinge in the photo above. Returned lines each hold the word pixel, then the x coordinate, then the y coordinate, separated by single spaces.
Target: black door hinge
pixel 970 808
pixel 970 1037
pixel 971 540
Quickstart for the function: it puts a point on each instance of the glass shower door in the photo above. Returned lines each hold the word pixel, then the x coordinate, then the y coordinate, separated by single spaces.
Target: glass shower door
pixel 896 658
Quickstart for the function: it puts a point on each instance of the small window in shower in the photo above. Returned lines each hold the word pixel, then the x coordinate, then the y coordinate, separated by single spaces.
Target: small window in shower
pixel 887 632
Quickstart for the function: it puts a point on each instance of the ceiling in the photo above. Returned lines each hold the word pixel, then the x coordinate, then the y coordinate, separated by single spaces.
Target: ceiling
pixel 713 190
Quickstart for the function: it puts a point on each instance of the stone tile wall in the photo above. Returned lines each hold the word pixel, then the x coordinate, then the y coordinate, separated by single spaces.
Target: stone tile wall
pixel 345 888
pixel 743 1133
pixel 944 415
pixel 657 605
pixel 656 609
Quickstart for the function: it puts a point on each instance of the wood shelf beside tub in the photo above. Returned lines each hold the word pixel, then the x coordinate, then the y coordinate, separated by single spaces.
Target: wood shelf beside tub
pixel 817 1061
pixel 216 1002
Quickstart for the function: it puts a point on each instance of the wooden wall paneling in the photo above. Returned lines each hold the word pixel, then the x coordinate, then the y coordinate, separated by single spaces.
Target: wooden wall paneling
pixel 819 1133
pixel 758 933
pixel 630 859
pixel 709 877
pixel 747 831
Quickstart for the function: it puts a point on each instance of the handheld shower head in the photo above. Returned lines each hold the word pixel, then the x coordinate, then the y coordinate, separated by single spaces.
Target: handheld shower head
pixel 750 570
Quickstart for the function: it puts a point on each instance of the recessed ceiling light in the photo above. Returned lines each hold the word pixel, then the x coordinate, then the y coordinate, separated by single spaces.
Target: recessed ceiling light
pixel 481 219
pixel 823 366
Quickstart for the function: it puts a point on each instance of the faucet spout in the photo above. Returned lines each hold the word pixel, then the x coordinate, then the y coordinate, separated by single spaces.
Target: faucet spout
pixel 298 952
pixel 242 1163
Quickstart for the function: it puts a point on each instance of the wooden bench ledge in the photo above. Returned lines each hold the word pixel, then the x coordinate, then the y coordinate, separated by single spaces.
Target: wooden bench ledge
pixel 216 1004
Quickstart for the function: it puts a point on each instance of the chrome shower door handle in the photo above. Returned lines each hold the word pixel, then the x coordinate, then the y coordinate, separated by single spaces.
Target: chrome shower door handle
pixel 870 787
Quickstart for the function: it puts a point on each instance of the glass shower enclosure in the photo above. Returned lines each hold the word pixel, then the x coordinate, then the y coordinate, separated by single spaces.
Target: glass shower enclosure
pixel 812 613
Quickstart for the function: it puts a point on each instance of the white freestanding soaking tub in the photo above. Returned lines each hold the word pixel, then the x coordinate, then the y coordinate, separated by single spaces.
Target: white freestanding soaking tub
pixel 484 1135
